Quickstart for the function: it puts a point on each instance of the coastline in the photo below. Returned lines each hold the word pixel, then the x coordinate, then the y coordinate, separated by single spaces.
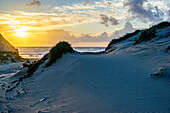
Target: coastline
pixel 131 75
pixel 7 70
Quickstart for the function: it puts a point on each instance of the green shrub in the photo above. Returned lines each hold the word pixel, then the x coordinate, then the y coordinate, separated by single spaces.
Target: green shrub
pixel 54 54
pixel 57 52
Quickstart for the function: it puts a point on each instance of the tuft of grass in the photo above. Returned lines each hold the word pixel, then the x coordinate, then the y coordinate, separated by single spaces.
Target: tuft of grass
pixel 58 51
pixel 146 35
pixel 114 41
pixel 150 33
pixel 33 67
pixel 55 53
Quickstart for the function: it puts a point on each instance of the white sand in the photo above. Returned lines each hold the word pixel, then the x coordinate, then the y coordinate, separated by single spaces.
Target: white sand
pixel 108 83
pixel 97 83
pixel 10 68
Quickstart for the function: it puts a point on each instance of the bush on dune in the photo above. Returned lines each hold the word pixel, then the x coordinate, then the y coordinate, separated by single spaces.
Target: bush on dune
pixel 162 25
pixel 150 33
pixel 114 41
pixel 57 52
pixel 54 54
pixel 146 35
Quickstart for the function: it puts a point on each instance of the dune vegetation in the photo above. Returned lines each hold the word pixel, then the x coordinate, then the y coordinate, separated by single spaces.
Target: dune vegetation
pixel 8 56
pixel 145 35
pixel 58 51
pixel 55 53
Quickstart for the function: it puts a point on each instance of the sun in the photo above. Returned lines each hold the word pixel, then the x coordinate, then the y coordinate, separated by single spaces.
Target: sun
pixel 21 32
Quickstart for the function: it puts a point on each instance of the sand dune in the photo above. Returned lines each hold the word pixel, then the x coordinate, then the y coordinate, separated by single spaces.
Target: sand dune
pixel 118 80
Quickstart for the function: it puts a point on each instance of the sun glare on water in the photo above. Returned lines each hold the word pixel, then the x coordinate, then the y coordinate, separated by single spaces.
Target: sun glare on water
pixel 21 32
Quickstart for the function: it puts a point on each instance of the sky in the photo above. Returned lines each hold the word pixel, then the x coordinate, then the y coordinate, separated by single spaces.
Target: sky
pixel 80 22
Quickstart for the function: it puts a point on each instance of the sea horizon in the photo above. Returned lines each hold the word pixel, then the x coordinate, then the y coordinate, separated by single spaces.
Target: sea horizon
pixel 39 52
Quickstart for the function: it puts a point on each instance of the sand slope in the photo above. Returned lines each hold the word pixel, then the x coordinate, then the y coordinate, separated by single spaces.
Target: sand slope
pixel 117 81
pixel 96 83
pixel 6 46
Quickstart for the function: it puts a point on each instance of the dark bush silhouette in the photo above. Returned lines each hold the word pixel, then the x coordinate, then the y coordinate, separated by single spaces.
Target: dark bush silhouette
pixel 57 52
pixel 161 25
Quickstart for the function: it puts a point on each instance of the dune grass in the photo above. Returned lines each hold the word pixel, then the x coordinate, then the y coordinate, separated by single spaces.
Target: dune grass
pixel 58 51
pixel 33 67
pixel 55 53
pixel 114 41
pixel 146 35
pixel 8 56
pixel 161 25
pixel 150 33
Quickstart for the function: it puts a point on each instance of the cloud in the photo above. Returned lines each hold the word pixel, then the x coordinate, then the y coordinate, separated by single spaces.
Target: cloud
pixel 34 3
pixel 105 20
pixel 151 13
pixel 168 13
pixel 92 10
pixel 103 37
pixel 54 36
pixel 43 20
pixel 113 21
pixel 128 28
pixel 86 2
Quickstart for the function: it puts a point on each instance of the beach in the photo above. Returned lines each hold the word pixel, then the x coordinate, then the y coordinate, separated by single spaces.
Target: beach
pixel 33 54
pixel 129 76
pixel 94 83
pixel 84 56
pixel 39 52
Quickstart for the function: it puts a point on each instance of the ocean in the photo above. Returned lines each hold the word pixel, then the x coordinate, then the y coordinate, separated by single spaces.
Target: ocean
pixel 39 52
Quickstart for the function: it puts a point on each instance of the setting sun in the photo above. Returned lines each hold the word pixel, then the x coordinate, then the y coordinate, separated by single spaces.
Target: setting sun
pixel 21 32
